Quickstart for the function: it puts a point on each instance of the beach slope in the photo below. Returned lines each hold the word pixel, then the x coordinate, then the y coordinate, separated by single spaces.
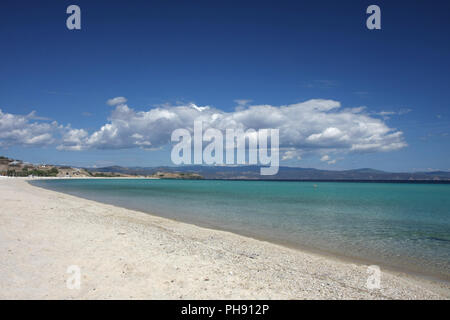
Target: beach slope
pixel 124 254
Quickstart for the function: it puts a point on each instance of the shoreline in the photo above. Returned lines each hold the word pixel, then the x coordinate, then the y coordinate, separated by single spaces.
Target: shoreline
pixel 403 269
pixel 230 259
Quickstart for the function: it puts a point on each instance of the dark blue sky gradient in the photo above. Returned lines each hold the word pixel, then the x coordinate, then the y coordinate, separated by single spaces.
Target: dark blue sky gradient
pixel 213 52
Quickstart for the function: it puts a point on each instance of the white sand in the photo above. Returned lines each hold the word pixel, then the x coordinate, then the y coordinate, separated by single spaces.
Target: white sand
pixel 127 254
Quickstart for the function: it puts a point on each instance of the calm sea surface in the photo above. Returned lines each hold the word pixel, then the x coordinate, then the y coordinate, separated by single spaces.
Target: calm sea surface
pixel 398 225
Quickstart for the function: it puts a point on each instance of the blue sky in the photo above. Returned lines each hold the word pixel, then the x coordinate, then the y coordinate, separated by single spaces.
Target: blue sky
pixel 163 54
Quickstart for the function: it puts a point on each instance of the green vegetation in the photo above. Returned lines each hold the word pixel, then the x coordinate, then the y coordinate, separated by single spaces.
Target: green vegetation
pixel 179 175
pixel 103 175
pixel 53 172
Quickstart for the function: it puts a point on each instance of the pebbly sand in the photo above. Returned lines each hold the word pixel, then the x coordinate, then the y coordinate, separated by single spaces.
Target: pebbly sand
pixel 124 254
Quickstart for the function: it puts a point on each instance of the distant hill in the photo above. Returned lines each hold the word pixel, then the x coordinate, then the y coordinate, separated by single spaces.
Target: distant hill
pixel 18 168
pixel 13 167
pixel 285 173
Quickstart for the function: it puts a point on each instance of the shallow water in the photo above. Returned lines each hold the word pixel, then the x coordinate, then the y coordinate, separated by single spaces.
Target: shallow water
pixel 394 224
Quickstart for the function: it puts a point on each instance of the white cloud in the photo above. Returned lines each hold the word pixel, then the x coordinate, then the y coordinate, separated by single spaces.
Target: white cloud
pixel 291 154
pixel 387 114
pixel 241 103
pixel 312 125
pixel 73 140
pixel 326 158
pixel 319 126
pixel 20 130
pixel 116 101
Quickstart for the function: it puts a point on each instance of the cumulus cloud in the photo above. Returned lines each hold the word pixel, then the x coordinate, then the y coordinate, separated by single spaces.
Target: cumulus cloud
pixel 291 154
pixel 308 126
pixel 21 130
pixel 326 158
pixel 320 126
pixel 72 139
pixel 116 101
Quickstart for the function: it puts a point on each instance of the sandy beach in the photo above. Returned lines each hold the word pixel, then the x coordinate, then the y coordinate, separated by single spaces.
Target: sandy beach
pixel 125 254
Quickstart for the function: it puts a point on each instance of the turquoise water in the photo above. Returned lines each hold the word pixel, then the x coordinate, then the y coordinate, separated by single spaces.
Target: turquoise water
pixel 393 224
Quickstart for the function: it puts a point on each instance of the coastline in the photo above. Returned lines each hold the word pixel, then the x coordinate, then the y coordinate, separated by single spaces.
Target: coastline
pixel 129 254
pixel 397 267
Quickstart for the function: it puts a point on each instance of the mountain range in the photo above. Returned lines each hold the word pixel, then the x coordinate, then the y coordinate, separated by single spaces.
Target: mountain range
pixel 284 173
